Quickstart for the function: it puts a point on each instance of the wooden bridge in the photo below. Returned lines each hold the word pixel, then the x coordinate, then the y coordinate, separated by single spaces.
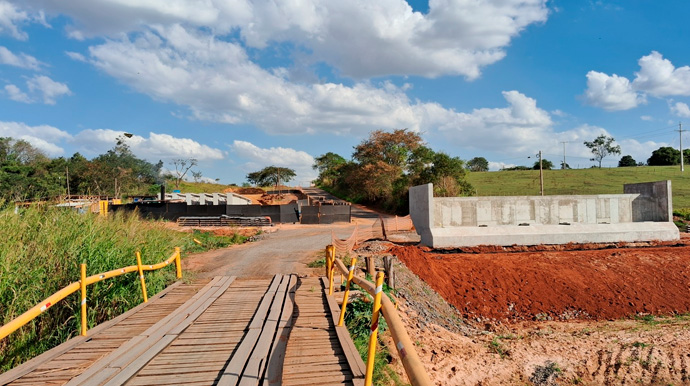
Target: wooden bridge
pixel 226 331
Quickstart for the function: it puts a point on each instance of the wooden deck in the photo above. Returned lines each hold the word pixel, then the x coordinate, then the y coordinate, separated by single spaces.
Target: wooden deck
pixel 227 331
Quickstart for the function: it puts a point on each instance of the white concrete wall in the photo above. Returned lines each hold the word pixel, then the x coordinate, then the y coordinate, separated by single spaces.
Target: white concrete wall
pixel 209 198
pixel 642 214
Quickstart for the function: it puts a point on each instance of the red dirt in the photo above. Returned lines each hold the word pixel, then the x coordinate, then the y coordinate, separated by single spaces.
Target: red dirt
pixel 545 285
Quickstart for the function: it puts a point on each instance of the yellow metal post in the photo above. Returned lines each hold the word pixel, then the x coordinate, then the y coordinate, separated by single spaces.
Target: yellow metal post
pixel 350 274
pixel 82 286
pixel 178 263
pixel 374 329
pixel 103 208
pixel 331 272
pixel 141 277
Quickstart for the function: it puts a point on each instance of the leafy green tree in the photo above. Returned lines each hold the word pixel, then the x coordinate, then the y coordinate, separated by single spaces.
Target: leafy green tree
pixel 664 155
pixel 271 175
pixel 545 165
pixel 627 161
pixel 478 164
pixel 329 166
pixel 601 147
pixel 565 166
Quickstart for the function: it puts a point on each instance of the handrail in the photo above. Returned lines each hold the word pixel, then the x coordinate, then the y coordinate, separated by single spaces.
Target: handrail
pixel 53 299
pixel 411 362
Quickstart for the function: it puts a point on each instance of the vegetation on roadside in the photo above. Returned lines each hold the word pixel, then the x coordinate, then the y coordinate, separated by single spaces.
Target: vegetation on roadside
pixel 385 166
pixel 40 253
pixel 358 321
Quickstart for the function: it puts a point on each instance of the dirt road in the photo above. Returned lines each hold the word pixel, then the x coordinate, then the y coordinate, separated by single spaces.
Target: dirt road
pixel 286 248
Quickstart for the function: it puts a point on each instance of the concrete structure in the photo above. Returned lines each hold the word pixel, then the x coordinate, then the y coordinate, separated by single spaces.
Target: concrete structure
pixel 644 212
pixel 208 198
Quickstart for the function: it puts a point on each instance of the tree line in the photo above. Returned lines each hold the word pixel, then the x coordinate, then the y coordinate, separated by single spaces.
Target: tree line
pixel 385 165
pixel 27 173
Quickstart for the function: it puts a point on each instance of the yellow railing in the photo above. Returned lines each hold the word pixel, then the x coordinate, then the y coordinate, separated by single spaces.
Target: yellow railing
pixel 80 285
pixel 413 366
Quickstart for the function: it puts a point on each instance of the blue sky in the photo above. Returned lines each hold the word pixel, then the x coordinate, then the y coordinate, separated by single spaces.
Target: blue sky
pixel 240 84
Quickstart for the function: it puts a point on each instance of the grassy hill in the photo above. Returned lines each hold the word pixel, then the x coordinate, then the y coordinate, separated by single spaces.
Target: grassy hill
pixel 581 181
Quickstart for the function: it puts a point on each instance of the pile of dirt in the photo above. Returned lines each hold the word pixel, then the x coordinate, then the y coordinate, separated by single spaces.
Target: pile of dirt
pixel 548 285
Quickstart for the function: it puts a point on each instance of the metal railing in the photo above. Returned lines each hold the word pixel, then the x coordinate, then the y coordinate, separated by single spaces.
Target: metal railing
pixel 81 285
pixel 411 362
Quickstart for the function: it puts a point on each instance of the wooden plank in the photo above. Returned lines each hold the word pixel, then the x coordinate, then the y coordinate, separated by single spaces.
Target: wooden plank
pixel 125 349
pixel 354 359
pixel 257 361
pixel 51 354
pixel 233 371
pixel 126 373
pixel 274 371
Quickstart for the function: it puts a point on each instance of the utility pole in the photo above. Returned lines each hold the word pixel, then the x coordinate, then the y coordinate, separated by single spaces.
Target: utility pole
pixel 564 164
pixel 680 135
pixel 67 175
pixel 541 175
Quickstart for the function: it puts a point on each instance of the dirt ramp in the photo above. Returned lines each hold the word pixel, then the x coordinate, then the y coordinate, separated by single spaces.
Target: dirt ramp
pixel 552 285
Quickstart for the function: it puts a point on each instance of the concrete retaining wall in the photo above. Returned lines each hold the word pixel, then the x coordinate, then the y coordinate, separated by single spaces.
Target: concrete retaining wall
pixel 643 213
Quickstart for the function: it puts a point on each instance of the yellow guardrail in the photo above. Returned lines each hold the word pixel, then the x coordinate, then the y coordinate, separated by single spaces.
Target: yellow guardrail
pixel 81 285
pixel 413 366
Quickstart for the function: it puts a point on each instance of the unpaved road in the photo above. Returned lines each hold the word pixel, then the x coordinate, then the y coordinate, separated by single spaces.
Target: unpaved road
pixel 285 248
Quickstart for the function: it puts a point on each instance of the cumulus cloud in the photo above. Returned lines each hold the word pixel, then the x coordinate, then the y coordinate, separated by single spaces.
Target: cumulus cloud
pixel 21 60
pixel 660 78
pixel 43 137
pixel 361 38
pixel 14 93
pixel 155 147
pixel 612 93
pixel 47 89
pixel 657 77
pixel 40 88
pixel 681 109
pixel 10 19
pixel 257 158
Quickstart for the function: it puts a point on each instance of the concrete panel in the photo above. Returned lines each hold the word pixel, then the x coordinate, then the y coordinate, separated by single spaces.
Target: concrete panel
pixel 653 201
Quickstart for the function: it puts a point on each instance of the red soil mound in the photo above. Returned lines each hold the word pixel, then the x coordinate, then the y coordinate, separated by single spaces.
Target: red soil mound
pixel 597 284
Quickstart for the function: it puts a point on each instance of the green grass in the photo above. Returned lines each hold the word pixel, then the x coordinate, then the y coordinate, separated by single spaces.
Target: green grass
pixel 41 249
pixel 580 181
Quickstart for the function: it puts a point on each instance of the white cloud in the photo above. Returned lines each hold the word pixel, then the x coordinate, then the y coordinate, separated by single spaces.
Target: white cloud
pixel 76 56
pixel 257 158
pixel 499 165
pixel 47 88
pixel 22 60
pixel 43 137
pixel 646 118
pixel 658 77
pixel 10 19
pixel 612 93
pixel 39 88
pixel 14 93
pixel 153 148
pixel 681 109
pixel 361 38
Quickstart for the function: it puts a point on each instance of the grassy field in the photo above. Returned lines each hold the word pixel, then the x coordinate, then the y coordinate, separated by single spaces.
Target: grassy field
pixel 40 251
pixel 581 181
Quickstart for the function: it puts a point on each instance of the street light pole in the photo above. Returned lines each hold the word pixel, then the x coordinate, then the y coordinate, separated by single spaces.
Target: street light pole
pixel 541 175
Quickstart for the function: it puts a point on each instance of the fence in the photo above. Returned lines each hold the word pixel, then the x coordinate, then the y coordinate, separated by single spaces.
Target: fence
pixel 411 362
pixel 380 229
pixel 81 285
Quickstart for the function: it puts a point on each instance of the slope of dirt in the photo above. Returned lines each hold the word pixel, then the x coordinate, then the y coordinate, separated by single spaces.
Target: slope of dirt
pixel 593 284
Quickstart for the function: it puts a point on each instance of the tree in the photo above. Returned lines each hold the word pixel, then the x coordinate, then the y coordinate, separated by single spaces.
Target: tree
pixel 271 175
pixel 197 176
pixel 329 166
pixel 564 166
pixel 545 165
pixel 601 147
pixel 182 166
pixel 478 164
pixel 664 155
pixel 627 161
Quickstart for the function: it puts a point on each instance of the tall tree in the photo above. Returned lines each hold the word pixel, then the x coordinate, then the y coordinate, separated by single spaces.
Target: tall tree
pixel 601 147
pixel 545 165
pixel 478 164
pixel 664 155
pixel 271 175
pixel 329 166
pixel 182 167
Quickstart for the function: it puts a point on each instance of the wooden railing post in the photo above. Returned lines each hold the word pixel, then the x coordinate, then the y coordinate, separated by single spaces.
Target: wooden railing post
pixel 374 330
